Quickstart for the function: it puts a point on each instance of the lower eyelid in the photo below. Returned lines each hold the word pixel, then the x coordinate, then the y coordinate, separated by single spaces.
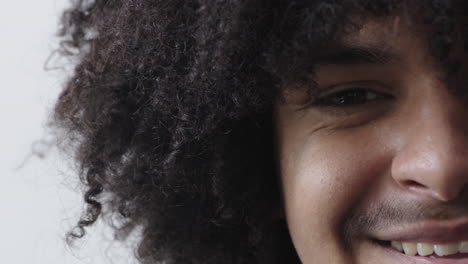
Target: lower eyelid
pixel 344 118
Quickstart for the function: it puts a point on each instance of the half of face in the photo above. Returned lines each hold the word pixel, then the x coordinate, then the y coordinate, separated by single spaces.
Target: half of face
pixel 374 167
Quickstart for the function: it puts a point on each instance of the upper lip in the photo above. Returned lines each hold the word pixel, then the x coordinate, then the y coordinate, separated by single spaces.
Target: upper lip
pixel 434 232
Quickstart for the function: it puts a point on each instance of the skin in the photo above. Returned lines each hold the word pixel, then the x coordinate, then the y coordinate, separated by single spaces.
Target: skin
pixel 394 162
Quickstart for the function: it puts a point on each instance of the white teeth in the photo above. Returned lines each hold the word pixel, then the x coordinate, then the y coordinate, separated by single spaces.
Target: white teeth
pixel 409 248
pixel 447 249
pixel 397 245
pixel 424 249
pixel 463 248
pixel 427 249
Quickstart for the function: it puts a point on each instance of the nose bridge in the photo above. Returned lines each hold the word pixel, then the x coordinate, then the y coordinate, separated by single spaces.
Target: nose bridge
pixel 433 158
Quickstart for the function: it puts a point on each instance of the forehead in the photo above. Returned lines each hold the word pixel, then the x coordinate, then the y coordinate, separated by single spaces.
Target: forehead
pixel 418 25
pixel 394 44
pixel 380 32
pixel 408 38
pixel 384 40
pixel 436 30
pixel 403 37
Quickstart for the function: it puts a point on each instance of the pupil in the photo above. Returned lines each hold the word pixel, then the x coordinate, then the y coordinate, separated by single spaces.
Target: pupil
pixel 351 97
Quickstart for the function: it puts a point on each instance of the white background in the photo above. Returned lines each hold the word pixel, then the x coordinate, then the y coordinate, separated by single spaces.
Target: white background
pixel 40 199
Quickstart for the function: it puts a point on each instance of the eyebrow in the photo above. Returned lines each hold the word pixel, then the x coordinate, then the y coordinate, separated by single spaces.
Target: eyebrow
pixel 355 55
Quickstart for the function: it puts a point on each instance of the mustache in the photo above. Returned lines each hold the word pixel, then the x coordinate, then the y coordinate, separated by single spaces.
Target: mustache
pixel 359 221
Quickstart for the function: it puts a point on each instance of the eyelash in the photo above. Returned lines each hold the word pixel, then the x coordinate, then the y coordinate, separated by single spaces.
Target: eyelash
pixel 341 98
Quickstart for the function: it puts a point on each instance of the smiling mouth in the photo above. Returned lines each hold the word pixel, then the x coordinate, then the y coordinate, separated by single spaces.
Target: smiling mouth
pixel 441 253
pixel 428 249
pixel 430 242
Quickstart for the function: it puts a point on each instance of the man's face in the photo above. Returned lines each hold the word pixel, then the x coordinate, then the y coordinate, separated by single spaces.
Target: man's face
pixel 383 158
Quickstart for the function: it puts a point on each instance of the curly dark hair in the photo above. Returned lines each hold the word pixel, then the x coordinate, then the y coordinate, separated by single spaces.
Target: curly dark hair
pixel 170 114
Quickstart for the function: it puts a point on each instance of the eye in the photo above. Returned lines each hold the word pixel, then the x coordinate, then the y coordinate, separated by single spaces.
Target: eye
pixel 347 98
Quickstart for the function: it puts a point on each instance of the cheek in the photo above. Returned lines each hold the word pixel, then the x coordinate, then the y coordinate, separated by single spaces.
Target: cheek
pixel 323 176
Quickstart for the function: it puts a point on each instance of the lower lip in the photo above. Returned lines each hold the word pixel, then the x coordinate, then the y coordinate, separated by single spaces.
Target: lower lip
pixel 403 258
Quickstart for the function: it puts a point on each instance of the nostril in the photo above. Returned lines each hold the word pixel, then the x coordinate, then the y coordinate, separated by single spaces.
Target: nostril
pixel 439 194
pixel 413 184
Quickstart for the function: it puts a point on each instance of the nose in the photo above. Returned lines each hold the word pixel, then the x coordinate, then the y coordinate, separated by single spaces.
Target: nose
pixel 433 157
